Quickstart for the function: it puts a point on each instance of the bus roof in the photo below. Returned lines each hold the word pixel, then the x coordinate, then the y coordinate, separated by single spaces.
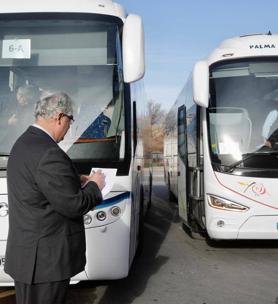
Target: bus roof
pixel 105 7
pixel 257 45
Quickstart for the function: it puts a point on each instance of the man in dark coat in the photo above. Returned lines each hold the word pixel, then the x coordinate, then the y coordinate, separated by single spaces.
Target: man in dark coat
pixel 46 240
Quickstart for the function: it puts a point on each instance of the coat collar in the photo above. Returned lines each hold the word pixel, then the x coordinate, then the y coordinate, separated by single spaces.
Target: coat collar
pixel 35 130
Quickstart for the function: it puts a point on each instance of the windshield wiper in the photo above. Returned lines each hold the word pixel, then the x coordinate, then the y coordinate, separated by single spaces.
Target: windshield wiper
pixel 4 154
pixel 247 156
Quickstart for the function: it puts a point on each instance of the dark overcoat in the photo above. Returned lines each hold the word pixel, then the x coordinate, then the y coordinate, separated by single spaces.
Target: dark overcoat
pixel 46 240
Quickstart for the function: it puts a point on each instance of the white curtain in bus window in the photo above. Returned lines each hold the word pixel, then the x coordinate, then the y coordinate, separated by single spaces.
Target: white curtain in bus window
pixel 93 97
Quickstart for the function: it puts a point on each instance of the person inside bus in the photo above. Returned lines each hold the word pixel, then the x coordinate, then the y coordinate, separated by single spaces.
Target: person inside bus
pixel 18 117
pixel 270 125
pixel 26 96
pixel 46 239
pixel 270 129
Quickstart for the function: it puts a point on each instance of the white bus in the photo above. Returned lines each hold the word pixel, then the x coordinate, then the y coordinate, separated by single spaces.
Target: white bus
pixel 93 51
pixel 221 150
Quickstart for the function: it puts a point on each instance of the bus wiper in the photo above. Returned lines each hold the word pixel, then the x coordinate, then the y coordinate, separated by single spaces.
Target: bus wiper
pixel 247 156
pixel 4 154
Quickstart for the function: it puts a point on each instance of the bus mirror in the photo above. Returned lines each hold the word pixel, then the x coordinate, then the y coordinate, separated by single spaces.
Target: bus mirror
pixel 133 49
pixel 201 83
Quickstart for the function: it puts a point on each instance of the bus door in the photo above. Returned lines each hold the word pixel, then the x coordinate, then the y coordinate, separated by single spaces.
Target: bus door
pixel 182 163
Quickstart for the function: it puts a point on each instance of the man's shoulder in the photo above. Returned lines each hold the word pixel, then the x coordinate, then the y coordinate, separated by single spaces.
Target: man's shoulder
pixel 33 141
pixel 36 135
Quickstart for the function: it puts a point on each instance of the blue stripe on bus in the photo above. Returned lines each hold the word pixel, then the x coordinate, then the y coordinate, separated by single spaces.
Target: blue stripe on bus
pixel 113 200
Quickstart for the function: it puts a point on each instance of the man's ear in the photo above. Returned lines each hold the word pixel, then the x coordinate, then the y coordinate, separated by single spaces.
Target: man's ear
pixel 59 117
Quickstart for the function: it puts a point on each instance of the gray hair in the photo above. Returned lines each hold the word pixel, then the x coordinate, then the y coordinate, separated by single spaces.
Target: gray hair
pixel 52 104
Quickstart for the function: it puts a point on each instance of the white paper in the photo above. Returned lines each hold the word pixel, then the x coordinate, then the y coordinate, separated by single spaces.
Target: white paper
pixel 109 179
pixel 16 49
pixel 229 147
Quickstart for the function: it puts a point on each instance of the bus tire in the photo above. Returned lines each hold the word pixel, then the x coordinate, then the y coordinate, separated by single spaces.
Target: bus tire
pixel 193 232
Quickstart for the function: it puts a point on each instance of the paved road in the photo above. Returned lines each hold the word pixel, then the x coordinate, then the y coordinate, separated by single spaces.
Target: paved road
pixel 175 269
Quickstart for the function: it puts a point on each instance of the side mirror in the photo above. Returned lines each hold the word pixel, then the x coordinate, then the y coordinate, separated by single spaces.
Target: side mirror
pixel 200 80
pixel 133 49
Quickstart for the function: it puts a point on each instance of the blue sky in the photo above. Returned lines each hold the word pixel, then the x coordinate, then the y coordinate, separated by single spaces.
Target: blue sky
pixel 180 32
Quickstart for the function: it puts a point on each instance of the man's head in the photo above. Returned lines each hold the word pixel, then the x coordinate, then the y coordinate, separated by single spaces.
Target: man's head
pixel 54 112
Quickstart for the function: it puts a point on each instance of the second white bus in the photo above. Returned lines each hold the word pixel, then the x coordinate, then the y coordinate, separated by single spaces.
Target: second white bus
pixel 221 148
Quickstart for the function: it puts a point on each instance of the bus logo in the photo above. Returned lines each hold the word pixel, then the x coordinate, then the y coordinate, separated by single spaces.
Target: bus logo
pixel 262 46
pixel 256 188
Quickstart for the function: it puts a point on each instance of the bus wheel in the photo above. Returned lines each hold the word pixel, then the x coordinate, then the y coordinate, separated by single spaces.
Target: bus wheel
pixel 193 231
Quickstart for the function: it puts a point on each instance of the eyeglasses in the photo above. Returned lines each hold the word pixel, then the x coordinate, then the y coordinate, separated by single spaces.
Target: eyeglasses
pixel 70 117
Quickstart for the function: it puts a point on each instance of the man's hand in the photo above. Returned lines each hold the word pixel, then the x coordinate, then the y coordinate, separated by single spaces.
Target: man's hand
pixel 99 178
pixel 83 179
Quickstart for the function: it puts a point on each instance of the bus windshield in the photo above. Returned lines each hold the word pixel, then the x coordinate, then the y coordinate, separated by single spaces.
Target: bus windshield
pixel 76 54
pixel 243 116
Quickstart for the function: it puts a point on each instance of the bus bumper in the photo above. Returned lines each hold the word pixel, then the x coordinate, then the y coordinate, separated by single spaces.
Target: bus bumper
pixel 263 227
pixel 259 227
pixel 107 252
pixel 5 279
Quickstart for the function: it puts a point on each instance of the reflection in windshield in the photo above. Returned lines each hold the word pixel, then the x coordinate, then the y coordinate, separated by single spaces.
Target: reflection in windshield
pixel 243 115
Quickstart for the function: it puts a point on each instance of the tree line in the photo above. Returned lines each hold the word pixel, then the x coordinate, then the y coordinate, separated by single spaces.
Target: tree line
pixel 153 130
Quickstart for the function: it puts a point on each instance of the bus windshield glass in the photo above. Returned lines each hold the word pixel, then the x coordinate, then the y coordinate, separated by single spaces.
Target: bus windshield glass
pixel 243 116
pixel 76 54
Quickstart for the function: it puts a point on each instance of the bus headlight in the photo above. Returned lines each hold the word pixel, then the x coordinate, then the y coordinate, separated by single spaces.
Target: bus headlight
pixel 4 209
pixel 224 204
pixel 115 211
pixel 101 216
pixel 87 219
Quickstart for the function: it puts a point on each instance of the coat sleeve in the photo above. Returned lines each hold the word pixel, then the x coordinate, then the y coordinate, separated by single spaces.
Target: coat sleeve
pixel 59 183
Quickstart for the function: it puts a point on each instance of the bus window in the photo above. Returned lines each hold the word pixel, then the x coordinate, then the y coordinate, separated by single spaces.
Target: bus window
pixel 81 57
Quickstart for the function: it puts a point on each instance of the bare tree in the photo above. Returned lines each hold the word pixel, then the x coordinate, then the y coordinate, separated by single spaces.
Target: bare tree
pixel 153 132
pixel 155 112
